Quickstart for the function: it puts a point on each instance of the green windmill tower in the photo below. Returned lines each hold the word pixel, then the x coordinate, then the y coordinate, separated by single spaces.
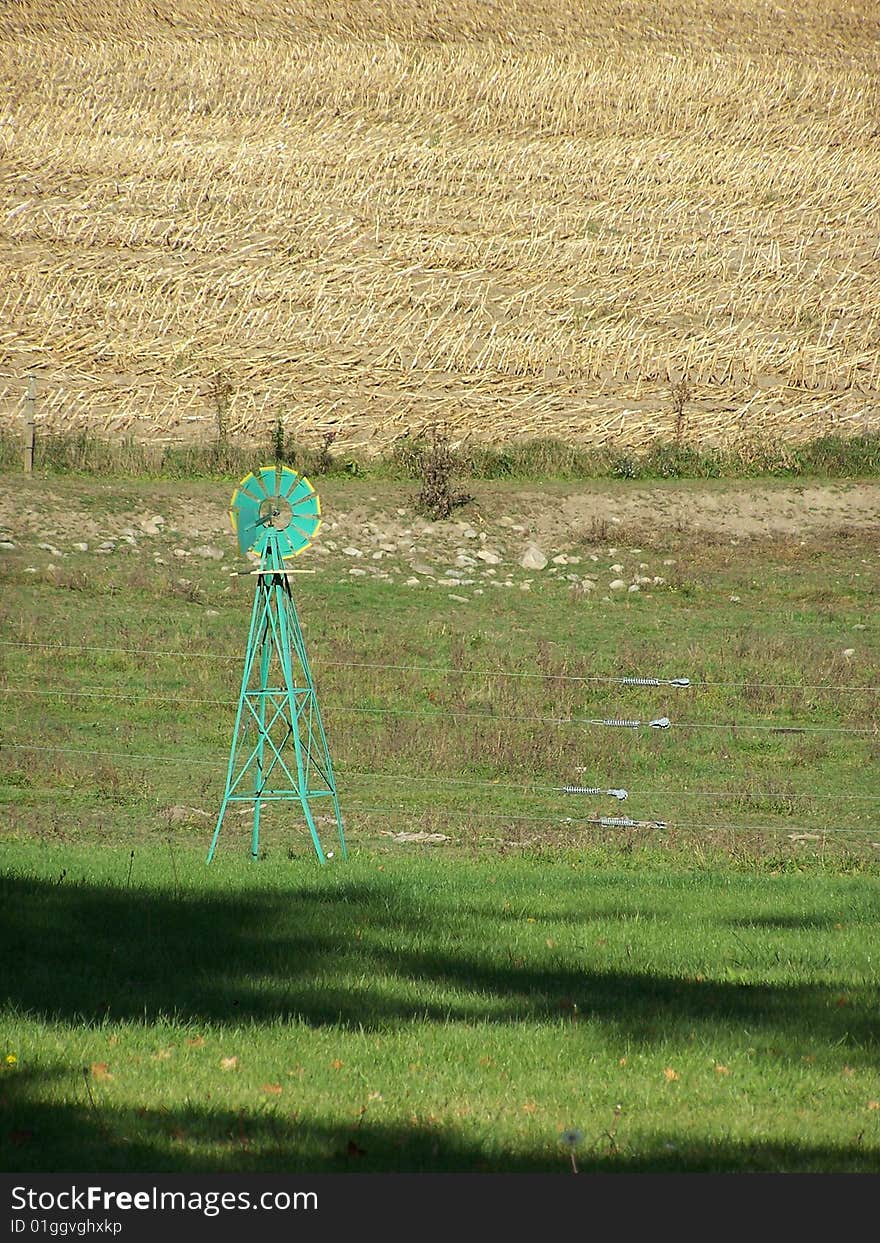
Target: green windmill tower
pixel 279 750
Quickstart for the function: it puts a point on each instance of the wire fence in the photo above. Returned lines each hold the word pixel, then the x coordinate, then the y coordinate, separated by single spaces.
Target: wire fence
pixel 520 788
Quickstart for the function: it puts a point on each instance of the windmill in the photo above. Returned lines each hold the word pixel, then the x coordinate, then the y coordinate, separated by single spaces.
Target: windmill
pixel 279 750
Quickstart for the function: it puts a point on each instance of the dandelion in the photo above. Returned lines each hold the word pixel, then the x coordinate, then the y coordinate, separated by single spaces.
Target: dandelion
pixel 571 1139
pixel 11 1059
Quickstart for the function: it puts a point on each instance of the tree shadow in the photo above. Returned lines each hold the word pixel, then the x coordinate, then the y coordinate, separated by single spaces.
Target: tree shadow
pixel 41 1135
pixel 344 956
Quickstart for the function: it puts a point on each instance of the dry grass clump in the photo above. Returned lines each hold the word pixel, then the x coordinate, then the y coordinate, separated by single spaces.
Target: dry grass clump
pixel 367 230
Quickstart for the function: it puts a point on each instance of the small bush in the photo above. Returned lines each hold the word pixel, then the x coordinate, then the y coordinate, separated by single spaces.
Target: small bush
pixel 432 460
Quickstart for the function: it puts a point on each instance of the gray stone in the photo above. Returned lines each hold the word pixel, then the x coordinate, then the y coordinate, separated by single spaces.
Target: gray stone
pixel 616 584
pixel 489 556
pixel 533 559
pixel 7 545
pixel 210 551
pixel 352 552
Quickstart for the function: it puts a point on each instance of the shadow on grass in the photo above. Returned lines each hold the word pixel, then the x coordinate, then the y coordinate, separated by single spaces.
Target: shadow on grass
pixel 362 955
pixel 78 1136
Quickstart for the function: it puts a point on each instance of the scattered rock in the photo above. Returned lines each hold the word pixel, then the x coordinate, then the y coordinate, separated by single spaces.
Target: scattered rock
pixel 150 526
pixel 421 568
pixel 633 587
pixel 7 545
pixel 356 572
pixel 460 599
pixel 561 559
pixel 411 582
pixel 183 815
pixel 352 552
pixel 180 553
pixel 80 546
pixel 464 560
pixel 616 569
pixel 616 584
pixel 435 838
pixel 212 612
pixel 533 558
pixel 734 599
pixel 669 561
pixel 469 533
pixel 210 551
pixel 50 549
pixel 849 652
pixel 489 556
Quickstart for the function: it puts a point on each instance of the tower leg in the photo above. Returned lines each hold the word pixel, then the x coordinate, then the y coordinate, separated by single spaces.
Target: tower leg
pixel 233 750
pixel 261 714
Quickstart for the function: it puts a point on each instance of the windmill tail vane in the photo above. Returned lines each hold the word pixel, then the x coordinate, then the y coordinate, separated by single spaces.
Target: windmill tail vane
pixel 279 751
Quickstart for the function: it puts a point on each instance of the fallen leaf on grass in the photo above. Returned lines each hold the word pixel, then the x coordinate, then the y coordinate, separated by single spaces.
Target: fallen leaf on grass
pixel 163 1054
pixel 100 1070
pixel 336 1064
pixel 530 1107
pixel 721 1070
pixel 670 1075
pixel 228 1063
pixel 178 1134
pixel 272 1089
pixel 874 1104
pixel 196 1042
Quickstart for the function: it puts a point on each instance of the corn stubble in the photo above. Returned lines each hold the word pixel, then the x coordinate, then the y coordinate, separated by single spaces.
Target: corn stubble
pixel 521 220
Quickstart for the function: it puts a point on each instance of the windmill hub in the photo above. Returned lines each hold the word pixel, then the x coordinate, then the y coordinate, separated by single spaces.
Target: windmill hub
pixel 276 512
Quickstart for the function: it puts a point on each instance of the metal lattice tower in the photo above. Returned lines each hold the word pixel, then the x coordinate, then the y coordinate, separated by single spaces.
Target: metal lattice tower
pixel 279 750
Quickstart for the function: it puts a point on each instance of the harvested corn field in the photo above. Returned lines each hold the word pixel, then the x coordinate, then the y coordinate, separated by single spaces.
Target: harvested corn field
pixel 601 222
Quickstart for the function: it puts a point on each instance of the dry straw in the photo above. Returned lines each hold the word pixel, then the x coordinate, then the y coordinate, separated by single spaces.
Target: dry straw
pixel 527 224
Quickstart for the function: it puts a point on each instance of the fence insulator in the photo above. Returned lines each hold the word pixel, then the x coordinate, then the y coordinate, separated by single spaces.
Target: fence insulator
pixel 624 822
pixel 618 794
pixel 654 681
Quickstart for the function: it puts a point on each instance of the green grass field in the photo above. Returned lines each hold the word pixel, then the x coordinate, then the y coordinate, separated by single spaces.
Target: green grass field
pixel 697 997
pixel 422 1013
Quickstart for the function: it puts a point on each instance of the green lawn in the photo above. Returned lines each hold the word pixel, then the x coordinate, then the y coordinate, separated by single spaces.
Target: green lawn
pixel 433 1013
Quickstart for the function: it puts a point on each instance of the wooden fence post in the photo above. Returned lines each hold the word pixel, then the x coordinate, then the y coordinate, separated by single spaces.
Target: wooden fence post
pixel 29 429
